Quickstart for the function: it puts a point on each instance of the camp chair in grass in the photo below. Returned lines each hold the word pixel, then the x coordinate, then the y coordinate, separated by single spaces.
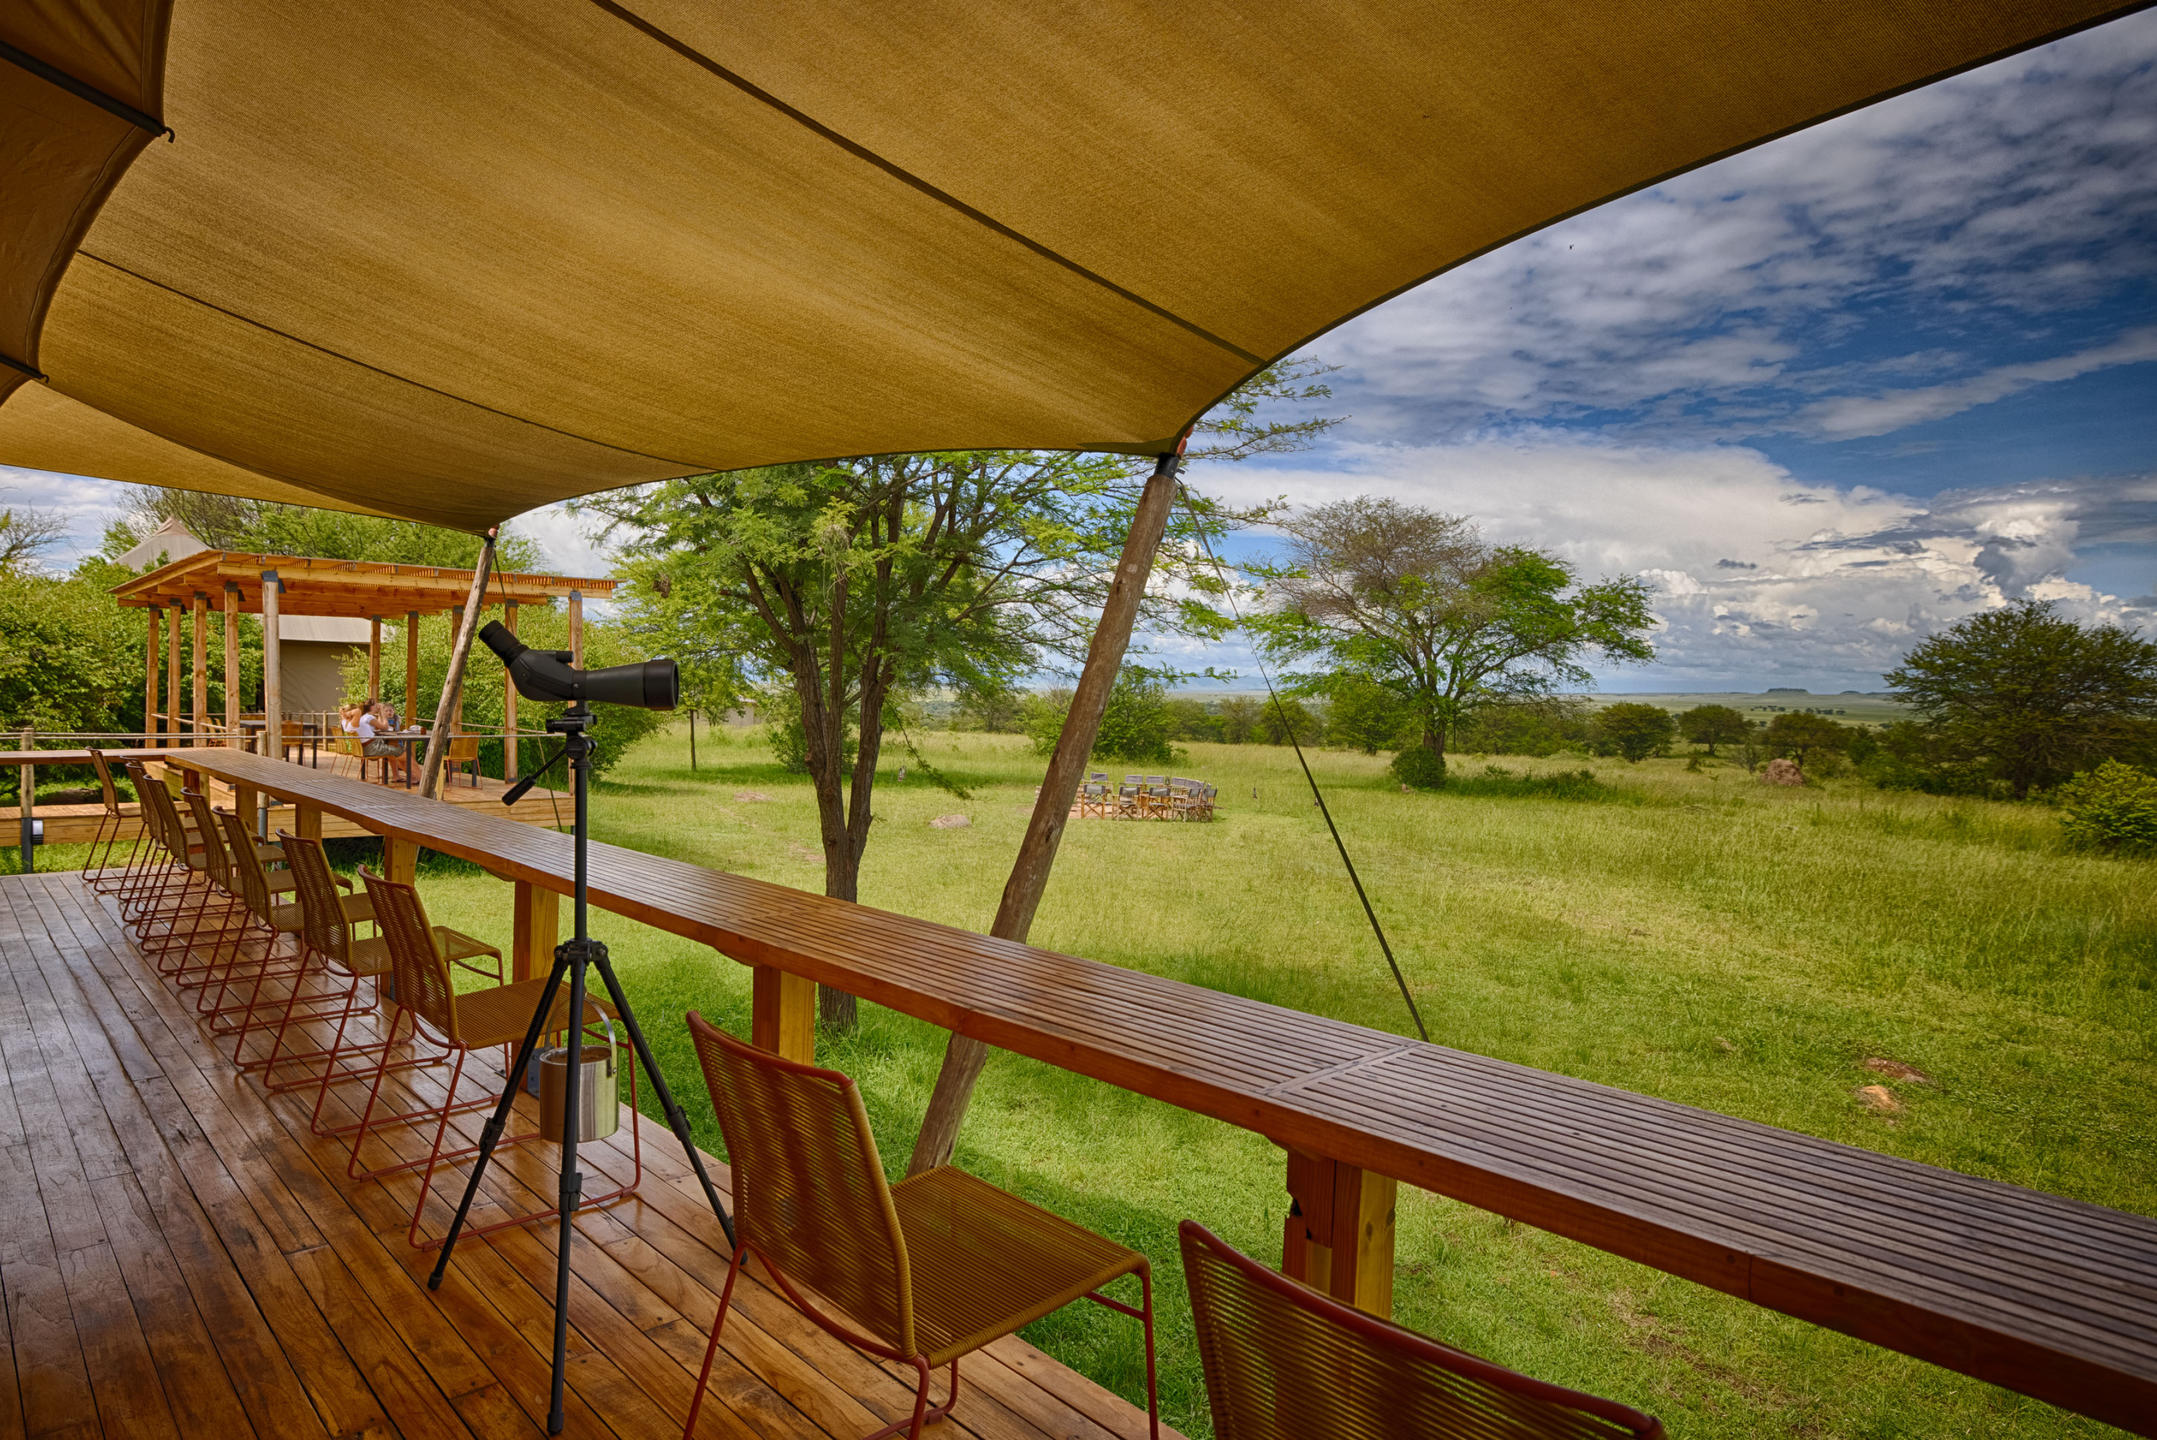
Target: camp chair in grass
pixel 925 1271
pixel 1284 1362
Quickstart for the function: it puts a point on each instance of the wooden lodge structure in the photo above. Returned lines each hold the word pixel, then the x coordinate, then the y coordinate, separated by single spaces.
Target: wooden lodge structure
pixel 397 261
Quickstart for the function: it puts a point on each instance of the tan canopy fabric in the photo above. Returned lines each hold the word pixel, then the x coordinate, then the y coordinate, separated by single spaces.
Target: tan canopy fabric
pixel 456 261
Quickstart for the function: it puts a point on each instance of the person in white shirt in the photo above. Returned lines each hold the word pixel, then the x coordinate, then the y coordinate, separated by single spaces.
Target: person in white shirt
pixel 373 722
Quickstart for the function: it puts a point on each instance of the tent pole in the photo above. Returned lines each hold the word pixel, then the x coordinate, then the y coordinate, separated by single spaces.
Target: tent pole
pixel 374 657
pixel 410 711
pixel 452 698
pixel 172 676
pixel 509 702
pixel 964 1056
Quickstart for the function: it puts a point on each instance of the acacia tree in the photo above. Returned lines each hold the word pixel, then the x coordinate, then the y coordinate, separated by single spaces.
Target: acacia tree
pixel 1419 603
pixel 855 583
pixel 1713 725
pixel 2027 696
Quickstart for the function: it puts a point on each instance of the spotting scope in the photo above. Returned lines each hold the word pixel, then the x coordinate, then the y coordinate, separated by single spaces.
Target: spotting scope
pixel 547 675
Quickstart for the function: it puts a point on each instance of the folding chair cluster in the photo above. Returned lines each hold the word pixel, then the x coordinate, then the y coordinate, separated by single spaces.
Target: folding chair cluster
pixel 1146 797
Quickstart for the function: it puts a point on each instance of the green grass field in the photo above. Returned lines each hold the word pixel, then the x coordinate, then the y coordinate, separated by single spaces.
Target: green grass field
pixel 1691 935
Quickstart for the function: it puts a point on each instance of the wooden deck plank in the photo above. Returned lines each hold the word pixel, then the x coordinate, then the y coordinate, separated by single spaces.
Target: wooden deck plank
pixel 222 1277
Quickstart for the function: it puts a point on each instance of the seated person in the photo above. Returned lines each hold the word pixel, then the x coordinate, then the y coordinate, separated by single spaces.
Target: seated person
pixel 373 722
pixel 348 718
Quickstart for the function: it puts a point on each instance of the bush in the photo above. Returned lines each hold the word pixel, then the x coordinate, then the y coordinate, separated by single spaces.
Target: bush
pixel 1276 723
pixel 1135 724
pixel 1365 716
pixel 2113 807
pixel 1633 730
pixel 1524 727
pixel 1420 768
pixel 1498 782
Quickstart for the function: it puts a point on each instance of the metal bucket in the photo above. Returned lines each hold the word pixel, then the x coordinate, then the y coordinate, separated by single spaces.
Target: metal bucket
pixel 599 1098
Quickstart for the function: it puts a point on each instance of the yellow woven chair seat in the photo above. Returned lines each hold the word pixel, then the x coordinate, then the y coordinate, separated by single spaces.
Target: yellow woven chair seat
pixel 986 1263
pixel 498 1015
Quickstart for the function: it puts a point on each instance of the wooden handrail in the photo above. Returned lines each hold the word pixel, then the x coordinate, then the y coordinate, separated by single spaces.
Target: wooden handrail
pixel 2052 1297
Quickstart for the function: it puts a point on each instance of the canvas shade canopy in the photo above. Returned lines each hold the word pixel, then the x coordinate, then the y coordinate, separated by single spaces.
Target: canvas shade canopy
pixel 353 588
pixel 451 262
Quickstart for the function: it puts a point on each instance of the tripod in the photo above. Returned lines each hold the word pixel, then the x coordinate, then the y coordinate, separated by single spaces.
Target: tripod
pixel 572 958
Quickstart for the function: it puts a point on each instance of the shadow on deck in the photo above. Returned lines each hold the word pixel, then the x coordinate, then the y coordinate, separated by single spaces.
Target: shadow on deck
pixel 181 1256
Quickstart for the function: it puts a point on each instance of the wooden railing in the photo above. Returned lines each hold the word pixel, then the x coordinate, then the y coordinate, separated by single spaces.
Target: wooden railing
pixel 2052 1297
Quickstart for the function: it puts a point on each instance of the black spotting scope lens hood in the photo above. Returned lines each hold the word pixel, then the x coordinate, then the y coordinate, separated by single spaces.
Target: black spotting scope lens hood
pixel 547 675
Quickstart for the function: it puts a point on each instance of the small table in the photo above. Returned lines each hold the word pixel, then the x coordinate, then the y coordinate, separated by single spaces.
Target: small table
pixel 310 737
pixel 410 739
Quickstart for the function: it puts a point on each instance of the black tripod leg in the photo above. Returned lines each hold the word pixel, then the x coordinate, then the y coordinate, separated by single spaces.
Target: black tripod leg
pixel 676 1120
pixel 491 1133
pixel 572 1190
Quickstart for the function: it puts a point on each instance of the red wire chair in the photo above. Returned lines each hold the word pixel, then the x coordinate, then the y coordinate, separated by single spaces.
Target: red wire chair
pixel 1284 1362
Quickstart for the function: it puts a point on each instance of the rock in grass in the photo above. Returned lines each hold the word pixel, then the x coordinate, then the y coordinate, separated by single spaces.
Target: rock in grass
pixel 1896 1070
pixel 950 822
pixel 1878 1097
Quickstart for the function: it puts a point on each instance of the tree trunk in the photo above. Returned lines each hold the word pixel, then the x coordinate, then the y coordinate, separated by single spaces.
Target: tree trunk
pixel 1434 741
pixel 964 1056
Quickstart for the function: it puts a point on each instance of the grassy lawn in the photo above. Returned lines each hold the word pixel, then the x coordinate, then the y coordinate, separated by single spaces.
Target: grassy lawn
pixel 1690 935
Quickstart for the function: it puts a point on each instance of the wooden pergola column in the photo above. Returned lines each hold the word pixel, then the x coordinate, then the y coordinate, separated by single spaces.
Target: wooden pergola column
pixel 964 1056
pixel 576 628
pixel 149 682
pixel 411 666
pixel 374 657
pixel 202 666
pixel 451 705
pixel 273 679
pixel 509 702
pixel 172 673
pixel 232 665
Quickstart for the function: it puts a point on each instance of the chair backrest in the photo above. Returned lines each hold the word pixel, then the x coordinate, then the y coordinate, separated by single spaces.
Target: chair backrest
pixel 158 815
pixel 106 788
pixel 246 866
pixel 423 981
pixel 1283 1362
pixel 323 926
pixel 214 858
pixel 463 748
pixel 809 1191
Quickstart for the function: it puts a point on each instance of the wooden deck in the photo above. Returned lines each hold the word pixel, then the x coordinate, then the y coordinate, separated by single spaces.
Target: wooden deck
pixel 180 1256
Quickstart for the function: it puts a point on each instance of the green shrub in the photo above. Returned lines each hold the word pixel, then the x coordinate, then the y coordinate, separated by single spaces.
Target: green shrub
pixel 1498 782
pixel 1420 768
pixel 1634 730
pixel 2113 807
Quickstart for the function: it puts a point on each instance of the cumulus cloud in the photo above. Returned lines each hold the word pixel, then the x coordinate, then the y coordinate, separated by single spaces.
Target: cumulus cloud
pixel 1761 577
pixel 1852 279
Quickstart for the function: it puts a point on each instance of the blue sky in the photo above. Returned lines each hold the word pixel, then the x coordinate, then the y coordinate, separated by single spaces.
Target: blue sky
pixel 1828 395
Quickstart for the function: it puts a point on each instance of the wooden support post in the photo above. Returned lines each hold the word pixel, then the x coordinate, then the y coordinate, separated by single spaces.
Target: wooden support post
pixel 374 657
pixel 232 664
pixel 460 651
pixel 411 666
pixel 964 1056
pixel 149 684
pixel 576 628
pixel 456 628
pixel 201 660
pixel 509 702
pixel 400 860
pixel 307 821
pixel 172 674
pixel 247 804
pixel 536 928
pixel 1339 1234
pixel 26 804
pixel 782 1013
pixel 273 677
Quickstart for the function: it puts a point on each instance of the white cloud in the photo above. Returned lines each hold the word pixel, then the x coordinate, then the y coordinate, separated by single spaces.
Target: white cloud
pixel 1761 578
pixel 1991 203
